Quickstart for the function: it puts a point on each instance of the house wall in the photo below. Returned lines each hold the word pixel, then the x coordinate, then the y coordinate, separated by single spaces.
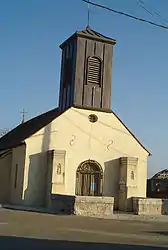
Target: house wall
pixel 17 174
pixel 5 169
pixel 104 141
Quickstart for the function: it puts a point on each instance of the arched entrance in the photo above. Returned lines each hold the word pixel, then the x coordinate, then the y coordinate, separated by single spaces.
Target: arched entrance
pixel 89 178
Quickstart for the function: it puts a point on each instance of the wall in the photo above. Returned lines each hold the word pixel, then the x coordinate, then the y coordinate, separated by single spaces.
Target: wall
pixel 104 141
pixel 17 174
pixel 35 172
pixel 35 192
pixel 150 206
pixel 147 206
pixel 5 169
pixel 82 205
pixel 129 182
pixel 94 206
pixel 111 179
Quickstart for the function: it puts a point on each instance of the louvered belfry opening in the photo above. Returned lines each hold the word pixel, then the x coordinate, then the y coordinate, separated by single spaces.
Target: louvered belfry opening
pixel 94 71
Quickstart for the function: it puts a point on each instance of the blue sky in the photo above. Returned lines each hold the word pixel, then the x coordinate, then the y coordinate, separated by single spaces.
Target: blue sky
pixel 30 34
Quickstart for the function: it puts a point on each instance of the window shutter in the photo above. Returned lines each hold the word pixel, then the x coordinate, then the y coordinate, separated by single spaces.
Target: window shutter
pixel 94 71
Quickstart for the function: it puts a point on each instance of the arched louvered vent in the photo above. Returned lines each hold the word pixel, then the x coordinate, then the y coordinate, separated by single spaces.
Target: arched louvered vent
pixel 94 71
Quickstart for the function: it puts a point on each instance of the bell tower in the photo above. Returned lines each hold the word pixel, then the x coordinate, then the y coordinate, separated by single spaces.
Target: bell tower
pixel 86 70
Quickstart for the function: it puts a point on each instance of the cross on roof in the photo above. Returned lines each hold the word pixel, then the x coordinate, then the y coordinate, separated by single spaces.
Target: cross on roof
pixel 23 112
pixel 88 20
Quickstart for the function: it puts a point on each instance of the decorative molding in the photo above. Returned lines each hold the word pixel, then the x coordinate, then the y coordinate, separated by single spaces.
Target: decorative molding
pixel 128 161
pixel 132 175
pixel 122 186
pixel 59 152
pixel 72 141
pixel 59 169
pixel 57 160
pixel 109 144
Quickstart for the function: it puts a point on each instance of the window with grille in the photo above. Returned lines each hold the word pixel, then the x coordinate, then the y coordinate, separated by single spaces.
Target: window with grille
pixel 94 71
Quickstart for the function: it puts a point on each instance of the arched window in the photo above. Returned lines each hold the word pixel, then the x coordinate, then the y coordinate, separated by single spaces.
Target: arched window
pixel 94 71
pixel 89 177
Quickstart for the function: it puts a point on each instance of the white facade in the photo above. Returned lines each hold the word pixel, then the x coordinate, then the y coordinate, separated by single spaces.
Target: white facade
pixel 75 139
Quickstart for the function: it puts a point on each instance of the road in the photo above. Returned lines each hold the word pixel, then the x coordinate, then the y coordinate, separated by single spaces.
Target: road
pixel 27 230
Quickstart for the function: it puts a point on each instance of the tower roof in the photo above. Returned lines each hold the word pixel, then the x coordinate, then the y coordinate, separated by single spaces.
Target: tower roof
pixel 91 34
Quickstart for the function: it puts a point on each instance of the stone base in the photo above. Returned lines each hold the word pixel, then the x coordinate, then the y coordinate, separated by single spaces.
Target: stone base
pixel 94 206
pixel 165 206
pixel 83 205
pixel 147 206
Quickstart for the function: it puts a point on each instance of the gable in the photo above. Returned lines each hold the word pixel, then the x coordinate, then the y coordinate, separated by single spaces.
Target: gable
pixel 107 120
pixel 74 124
pixel 113 125
pixel 138 141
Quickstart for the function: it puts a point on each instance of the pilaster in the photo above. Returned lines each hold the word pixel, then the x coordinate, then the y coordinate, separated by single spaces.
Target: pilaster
pixel 127 181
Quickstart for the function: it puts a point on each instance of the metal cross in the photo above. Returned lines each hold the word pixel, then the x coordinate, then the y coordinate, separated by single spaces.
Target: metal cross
pixel 88 19
pixel 23 112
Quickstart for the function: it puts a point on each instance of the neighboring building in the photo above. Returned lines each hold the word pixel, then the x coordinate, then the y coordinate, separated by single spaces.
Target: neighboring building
pixel 81 147
pixel 157 186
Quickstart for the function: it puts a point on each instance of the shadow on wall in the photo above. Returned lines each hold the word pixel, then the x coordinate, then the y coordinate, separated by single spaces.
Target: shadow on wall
pixel 46 138
pixel 63 204
pixel 17 176
pixel 19 243
pixel 39 175
pixel 5 170
pixel 111 179
pixel 48 164
pixel 35 192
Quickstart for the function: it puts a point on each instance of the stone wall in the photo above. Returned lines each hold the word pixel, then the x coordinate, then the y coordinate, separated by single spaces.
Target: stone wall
pixel 165 206
pixel 94 206
pixel 82 205
pixel 62 203
pixel 150 206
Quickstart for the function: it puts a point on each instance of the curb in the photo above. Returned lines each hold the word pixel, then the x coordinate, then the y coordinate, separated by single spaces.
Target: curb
pixel 115 216
pixel 29 209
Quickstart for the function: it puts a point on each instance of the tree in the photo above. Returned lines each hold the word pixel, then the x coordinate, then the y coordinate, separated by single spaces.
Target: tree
pixel 3 131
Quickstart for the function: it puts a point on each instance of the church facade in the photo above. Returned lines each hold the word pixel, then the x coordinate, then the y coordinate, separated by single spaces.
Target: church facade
pixel 81 148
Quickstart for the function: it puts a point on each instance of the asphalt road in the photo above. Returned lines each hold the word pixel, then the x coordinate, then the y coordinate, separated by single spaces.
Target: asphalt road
pixel 26 230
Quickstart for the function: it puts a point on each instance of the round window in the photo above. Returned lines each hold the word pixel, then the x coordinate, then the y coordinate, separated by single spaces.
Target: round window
pixel 93 118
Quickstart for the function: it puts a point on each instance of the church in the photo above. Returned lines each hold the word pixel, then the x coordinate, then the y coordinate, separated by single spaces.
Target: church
pixel 81 148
